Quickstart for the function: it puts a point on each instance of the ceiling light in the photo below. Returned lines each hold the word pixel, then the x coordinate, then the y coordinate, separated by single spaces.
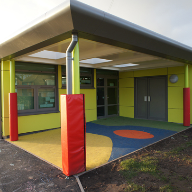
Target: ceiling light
pixel 125 65
pixel 94 61
pixel 49 55
pixel 109 68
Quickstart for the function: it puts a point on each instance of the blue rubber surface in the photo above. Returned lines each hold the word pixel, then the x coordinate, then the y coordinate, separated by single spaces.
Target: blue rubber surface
pixel 123 145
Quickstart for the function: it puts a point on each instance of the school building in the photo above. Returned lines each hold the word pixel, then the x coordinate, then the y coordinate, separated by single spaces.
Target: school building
pixel 123 69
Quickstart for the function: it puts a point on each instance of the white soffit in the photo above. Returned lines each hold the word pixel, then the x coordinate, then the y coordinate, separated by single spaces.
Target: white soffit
pixel 48 55
pixel 98 55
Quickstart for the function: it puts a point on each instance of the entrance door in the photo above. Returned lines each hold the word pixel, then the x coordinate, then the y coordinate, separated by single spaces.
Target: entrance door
pixel 107 96
pixel 151 98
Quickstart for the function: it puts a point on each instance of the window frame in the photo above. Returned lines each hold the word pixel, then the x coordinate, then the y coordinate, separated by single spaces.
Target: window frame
pixel 36 109
pixel 82 86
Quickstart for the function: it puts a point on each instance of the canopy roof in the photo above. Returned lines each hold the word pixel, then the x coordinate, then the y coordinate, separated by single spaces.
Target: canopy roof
pixel 106 34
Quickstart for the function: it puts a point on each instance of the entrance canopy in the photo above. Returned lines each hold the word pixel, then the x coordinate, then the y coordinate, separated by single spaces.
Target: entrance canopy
pixel 106 41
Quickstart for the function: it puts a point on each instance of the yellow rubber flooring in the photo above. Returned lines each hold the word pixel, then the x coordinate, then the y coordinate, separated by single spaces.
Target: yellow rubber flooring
pixel 47 145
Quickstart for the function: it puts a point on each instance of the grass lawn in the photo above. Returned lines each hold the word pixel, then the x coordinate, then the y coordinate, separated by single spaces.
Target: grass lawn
pixel 165 166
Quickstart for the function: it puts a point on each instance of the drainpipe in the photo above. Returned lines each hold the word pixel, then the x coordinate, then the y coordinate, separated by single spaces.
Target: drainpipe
pixel 69 63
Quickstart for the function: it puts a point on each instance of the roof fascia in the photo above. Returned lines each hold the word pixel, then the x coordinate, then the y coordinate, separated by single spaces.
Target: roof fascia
pixel 53 26
pixel 107 28
pixel 93 24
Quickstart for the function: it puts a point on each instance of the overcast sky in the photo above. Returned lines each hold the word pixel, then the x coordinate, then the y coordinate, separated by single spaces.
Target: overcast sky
pixel 171 18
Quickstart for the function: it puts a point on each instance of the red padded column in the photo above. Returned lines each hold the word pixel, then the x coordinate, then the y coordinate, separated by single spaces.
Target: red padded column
pixel 13 117
pixel 73 134
pixel 186 106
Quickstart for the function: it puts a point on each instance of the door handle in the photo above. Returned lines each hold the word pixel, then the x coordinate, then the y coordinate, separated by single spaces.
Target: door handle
pixel 149 98
pixel 145 98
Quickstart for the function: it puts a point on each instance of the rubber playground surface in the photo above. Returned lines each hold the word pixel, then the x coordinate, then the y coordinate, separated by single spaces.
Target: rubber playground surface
pixel 106 139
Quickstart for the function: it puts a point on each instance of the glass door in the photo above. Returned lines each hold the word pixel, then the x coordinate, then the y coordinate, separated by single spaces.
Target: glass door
pixel 107 96
pixel 101 100
pixel 112 97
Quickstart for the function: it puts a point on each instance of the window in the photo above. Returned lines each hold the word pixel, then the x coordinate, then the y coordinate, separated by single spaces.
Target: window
pixel 86 77
pixel 36 88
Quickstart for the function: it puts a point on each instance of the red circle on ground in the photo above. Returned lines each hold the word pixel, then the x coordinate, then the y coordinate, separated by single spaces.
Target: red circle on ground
pixel 133 134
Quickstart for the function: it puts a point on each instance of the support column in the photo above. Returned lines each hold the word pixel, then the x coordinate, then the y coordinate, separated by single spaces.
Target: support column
pixel 12 76
pixel 73 134
pixel 13 116
pixel 5 90
pixel 76 70
pixel 73 125
pixel 186 99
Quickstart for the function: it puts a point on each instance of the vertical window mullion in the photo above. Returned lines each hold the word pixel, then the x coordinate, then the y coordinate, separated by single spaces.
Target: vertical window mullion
pixel 36 97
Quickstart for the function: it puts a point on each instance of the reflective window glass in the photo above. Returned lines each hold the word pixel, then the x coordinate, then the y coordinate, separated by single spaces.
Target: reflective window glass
pixel 63 80
pixel 100 96
pixel 85 70
pixel 63 68
pixel 107 72
pixel 82 69
pixel 46 98
pixel 85 80
pixel 25 99
pixel 112 95
pixel 34 66
pixel 100 111
pixel 111 82
pixel 112 110
pixel 86 76
pixel 100 81
pixel 23 78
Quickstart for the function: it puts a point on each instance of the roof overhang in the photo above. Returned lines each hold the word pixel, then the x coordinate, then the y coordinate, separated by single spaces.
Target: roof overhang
pixel 91 24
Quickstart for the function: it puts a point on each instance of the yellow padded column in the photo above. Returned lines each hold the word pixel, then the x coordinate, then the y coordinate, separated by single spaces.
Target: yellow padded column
pixel 186 75
pixel 5 90
pixel 12 76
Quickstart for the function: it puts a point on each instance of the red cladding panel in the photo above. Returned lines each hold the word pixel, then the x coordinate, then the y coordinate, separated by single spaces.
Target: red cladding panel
pixel 186 106
pixel 73 134
pixel 13 117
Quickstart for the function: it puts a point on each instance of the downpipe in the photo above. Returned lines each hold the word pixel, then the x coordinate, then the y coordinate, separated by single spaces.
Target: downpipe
pixel 69 63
